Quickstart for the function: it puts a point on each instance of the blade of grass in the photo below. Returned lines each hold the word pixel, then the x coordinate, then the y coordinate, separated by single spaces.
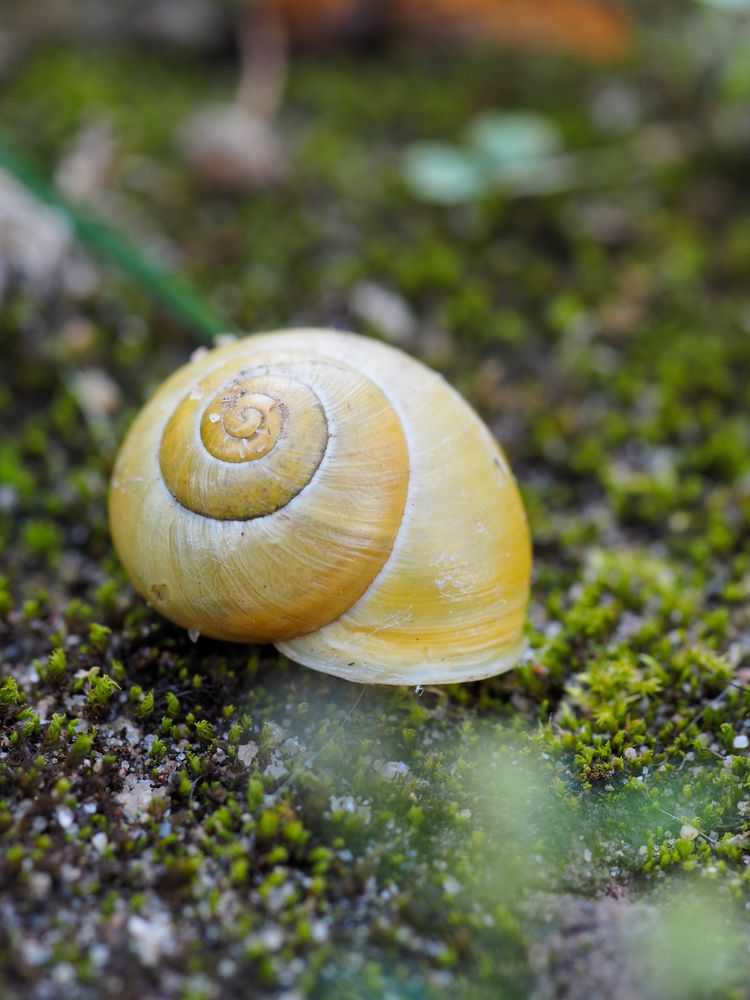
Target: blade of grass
pixel 107 243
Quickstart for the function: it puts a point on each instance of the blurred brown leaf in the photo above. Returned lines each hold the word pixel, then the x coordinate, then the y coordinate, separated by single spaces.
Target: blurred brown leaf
pixel 596 29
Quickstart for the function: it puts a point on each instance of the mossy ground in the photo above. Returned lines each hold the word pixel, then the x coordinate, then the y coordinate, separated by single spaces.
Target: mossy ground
pixel 205 820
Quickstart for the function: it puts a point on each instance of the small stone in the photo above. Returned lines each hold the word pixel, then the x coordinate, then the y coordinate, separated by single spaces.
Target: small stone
pixel 275 770
pixel 97 393
pixel 79 336
pixel 64 974
pixel 132 733
pixel 86 168
pixel 34 952
pixel 319 931
pixel 40 884
pixel 224 339
pixel 135 799
pixel 383 309
pixel 150 938
pixel 278 733
pixel 344 803
pixel 231 149
pixel 35 238
pixel 272 938
pixel 394 768
pixel 688 832
pixel 65 817
pixel 247 753
pixel 99 841
pixel 740 742
pixel 99 954
pixel 8 498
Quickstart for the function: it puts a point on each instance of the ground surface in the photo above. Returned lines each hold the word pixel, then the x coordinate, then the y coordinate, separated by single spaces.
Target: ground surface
pixel 195 820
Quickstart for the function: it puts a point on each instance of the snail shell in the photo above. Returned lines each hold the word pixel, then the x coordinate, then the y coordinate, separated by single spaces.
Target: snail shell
pixel 329 494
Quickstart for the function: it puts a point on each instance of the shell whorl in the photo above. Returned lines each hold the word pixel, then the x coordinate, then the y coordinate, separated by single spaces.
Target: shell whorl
pixel 242 444
pixel 276 493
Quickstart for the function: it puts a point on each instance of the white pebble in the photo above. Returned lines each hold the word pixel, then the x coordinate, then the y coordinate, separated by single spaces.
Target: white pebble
pixel 99 840
pixel 272 938
pixel 151 938
pixel 384 309
pixel 247 753
pixel 135 799
pixel 64 817
pixel 392 768
pixel 319 931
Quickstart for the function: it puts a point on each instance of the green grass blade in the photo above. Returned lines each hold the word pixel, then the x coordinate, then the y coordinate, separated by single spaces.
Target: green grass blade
pixel 108 244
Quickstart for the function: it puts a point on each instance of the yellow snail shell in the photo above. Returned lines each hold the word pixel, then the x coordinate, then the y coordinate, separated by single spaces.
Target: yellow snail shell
pixel 329 494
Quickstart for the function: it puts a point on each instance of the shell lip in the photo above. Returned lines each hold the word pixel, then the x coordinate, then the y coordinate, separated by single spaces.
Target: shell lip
pixel 421 673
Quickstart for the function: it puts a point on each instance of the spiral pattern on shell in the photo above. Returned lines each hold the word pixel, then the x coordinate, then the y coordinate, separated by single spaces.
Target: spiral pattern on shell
pixel 331 495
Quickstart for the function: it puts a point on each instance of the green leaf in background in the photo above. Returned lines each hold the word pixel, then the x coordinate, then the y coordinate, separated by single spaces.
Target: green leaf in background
pixel 515 152
pixel 442 173
pixel 512 142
